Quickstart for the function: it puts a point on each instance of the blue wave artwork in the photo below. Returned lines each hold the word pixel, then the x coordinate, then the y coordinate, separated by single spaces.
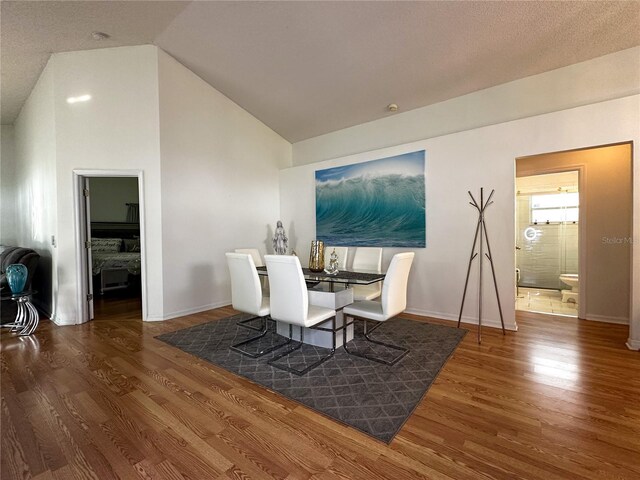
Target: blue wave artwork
pixel 380 203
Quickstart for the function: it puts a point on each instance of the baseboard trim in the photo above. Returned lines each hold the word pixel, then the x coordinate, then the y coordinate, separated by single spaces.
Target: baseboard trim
pixel 46 313
pixel 43 309
pixel 633 344
pixel 606 319
pixel 486 322
pixel 188 311
pixel 58 323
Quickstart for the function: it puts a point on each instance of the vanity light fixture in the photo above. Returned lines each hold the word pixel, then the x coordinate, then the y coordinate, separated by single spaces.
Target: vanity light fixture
pixel 81 98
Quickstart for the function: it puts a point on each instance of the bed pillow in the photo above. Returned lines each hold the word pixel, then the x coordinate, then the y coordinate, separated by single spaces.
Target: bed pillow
pixel 110 245
pixel 131 244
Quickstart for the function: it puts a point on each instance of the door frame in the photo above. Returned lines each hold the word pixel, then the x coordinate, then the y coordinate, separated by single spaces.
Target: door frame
pixel 79 175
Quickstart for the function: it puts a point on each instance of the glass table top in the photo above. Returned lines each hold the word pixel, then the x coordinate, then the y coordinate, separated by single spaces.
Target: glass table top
pixel 7 294
pixel 344 276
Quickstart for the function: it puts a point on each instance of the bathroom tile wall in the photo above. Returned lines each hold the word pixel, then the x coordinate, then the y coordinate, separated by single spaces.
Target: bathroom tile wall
pixel 552 252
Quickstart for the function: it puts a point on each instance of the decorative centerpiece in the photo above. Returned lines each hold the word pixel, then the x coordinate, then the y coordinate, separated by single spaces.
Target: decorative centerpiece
pixel 316 257
pixel 280 240
pixel 333 264
pixel 16 277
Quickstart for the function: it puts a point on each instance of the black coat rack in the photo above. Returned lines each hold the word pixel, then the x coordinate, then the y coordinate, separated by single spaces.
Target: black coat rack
pixel 479 239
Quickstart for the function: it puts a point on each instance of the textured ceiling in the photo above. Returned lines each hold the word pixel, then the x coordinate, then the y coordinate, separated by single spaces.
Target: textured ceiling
pixel 32 31
pixel 308 68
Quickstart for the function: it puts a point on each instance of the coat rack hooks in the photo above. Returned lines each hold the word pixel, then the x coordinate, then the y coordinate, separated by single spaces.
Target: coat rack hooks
pixel 480 238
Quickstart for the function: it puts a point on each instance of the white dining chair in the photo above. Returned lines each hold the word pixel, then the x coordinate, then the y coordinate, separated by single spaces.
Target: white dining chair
pixel 393 302
pixel 342 253
pixel 257 260
pixel 290 304
pixel 246 297
pixel 255 255
pixel 367 259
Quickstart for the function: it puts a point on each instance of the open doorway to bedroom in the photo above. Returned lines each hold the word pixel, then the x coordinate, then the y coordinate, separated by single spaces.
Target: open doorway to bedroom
pixel 115 247
pixel 111 253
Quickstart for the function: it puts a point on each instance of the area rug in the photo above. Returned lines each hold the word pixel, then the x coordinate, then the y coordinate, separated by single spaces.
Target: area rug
pixel 374 398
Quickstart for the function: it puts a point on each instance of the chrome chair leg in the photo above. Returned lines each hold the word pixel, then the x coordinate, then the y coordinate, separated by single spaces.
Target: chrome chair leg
pixel 315 364
pixel 245 323
pixel 263 332
pixel 403 350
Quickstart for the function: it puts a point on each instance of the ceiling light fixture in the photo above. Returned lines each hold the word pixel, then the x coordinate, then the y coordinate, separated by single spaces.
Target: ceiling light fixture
pixel 99 36
pixel 81 98
pixel 392 107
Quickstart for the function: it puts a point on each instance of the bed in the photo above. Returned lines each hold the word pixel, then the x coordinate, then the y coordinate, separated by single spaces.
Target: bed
pixel 113 260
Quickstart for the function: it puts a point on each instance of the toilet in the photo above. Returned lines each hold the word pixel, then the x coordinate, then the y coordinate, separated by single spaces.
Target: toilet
pixel 570 279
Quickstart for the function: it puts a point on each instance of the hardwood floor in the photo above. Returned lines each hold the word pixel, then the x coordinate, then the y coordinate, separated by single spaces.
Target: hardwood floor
pixel 118 305
pixel 560 399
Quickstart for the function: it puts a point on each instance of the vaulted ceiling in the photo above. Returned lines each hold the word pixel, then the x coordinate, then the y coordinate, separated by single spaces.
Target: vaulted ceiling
pixel 309 68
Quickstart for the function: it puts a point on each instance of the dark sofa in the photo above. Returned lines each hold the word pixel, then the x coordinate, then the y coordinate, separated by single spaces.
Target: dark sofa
pixel 9 256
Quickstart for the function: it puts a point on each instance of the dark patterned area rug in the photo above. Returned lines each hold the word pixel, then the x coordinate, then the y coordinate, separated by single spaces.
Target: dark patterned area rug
pixel 372 397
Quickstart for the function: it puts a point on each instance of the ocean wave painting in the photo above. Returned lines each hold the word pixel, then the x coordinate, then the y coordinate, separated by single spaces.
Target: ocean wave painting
pixel 380 203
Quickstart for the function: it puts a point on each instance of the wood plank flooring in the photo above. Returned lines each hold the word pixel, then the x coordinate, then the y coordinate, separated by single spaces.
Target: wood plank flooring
pixel 560 399
pixel 118 305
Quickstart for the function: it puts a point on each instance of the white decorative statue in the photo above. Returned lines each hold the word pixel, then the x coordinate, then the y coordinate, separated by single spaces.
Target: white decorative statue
pixel 333 264
pixel 280 240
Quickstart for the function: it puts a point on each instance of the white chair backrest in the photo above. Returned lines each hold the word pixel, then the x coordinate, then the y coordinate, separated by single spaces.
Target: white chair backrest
pixel 342 253
pixel 255 254
pixel 394 287
pixel 246 291
pixel 367 259
pixel 289 298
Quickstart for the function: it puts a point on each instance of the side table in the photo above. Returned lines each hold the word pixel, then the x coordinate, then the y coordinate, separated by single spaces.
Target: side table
pixel 27 318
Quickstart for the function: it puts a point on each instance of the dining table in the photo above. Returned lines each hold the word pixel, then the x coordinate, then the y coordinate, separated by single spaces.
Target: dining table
pixel 331 291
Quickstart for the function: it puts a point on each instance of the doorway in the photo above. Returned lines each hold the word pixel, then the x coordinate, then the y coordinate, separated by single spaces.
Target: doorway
pixel 110 233
pixel 547 243
pixel 605 208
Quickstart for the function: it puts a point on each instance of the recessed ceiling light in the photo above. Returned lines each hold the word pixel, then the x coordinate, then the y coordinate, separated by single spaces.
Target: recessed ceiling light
pixel 99 36
pixel 392 107
pixel 81 98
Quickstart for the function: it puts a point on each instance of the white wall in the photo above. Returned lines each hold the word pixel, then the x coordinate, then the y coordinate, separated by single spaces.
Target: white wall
pixel 109 198
pixel 218 178
pixel 220 187
pixel 455 163
pixel 7 187
pixel 608 77
pixel 117 129
pixel 34 186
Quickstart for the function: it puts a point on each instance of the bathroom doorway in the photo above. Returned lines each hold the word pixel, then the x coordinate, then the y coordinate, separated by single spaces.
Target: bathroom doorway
pixel 547 243
pixel 604 229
